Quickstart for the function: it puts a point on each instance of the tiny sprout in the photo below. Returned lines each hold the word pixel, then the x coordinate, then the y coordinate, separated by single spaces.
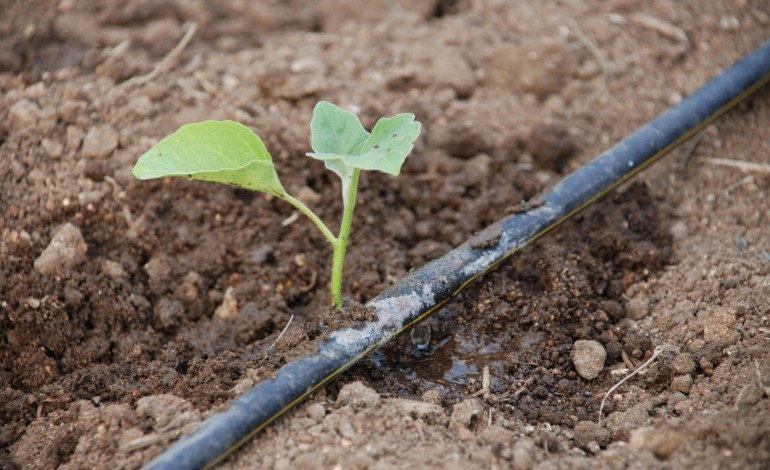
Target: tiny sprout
pixel 228 152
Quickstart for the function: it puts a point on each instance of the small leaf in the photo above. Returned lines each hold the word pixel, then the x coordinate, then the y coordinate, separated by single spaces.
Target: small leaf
pixel 390 143
pixel 335 131
pixel 342 143
pixel 217 151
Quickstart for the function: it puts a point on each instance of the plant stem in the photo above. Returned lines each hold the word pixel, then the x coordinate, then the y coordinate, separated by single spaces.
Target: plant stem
pixel 311 215
pixel 349 202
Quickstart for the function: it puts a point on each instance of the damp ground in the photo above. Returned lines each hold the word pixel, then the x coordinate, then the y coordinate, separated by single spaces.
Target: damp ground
pixel 163 300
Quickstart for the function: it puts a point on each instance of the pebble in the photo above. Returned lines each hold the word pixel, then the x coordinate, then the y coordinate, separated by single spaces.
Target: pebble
pixel 52 148
pixel 749 395
pixel 588 357
pixel 683 363
pixel 113 269
pixel 682 383
pixel 65 251
pixel 162 409
pixel 23 113
pixel 464 413
pixel 661 442
pixel 638 307
pixel 540 66
pixel 620 423
pixel 433 396
pixel 141 106
pixel 100 141
pixel 158 269
pixel 229 306
pixel 74 137
pixel 168 313
pixel 449 68
pixel 309 64
pixel 307 195
pixel 718 327
pixel 523 454
pixel 679 230
pixel 316 412
pixel 358 396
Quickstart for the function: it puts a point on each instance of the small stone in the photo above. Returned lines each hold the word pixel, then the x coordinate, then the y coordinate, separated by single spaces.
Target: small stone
pixel 100 141
pixel 540 66
pixel 749 395
pixel 189 289
pixel 465 413
pixel 309 64
pixel 638 307
pixel 684 407
pixel 23 113
pixel 719 327
pixel 113 269
pixel 158 269
pixel 683 363
pixel 141 106
pixel 523 454
pixel 587 432
pixel 682 383
pixel 496 436
pixel 679 230
pixel 65 251
pixel 433 396
pixel 449 68
pixel 74 137
pixel 661 442
pixel 162 409
pixel 308 196
pixel 316 412
pixel 52 148
pixel 36 176
pixel 168 313
pixel 358 396
pixel 229 306
pixel 90 197
pixel 620 423
pixel 588 357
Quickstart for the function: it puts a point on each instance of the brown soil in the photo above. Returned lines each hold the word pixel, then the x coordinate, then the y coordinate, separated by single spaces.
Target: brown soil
pixel 108 355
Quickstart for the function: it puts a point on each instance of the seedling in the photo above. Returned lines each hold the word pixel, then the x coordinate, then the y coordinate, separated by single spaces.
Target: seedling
pixel 228 152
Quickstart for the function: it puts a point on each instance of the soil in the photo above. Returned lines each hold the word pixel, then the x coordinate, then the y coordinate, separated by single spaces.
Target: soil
pixel 161 301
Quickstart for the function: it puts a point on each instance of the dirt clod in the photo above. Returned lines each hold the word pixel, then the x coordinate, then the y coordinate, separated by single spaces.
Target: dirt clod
pixel 358 396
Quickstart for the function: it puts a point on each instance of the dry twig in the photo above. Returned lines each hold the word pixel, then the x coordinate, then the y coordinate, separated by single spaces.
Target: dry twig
pixel 649 361
pixel 167 60
pixel 282 333
pixel 740 164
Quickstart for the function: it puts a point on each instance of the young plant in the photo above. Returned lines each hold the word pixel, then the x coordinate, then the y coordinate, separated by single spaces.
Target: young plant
pixel 228 152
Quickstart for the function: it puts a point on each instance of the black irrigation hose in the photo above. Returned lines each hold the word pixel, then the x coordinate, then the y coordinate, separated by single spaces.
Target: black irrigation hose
pixel 425 290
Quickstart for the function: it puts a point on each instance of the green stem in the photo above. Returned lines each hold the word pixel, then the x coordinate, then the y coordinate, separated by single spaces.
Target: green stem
pixel 311 215
pixel 349 201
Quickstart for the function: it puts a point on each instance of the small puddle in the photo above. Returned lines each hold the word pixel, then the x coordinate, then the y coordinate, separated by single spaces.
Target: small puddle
pixel 448 361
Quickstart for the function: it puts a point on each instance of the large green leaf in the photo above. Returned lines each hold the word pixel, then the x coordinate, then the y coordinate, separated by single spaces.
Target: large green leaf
pixel 218 151
pixel 341 142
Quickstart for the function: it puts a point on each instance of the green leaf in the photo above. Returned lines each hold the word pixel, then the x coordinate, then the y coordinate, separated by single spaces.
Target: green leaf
pixel 335 131
pixel 390 143
pixel 217 151
pixel 341 142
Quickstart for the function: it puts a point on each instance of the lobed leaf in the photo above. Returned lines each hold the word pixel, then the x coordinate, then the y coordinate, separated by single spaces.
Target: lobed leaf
pixel 339 139
pixel 217 151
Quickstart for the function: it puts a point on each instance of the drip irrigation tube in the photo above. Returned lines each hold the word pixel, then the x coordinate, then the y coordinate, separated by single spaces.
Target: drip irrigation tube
pixel 426 289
